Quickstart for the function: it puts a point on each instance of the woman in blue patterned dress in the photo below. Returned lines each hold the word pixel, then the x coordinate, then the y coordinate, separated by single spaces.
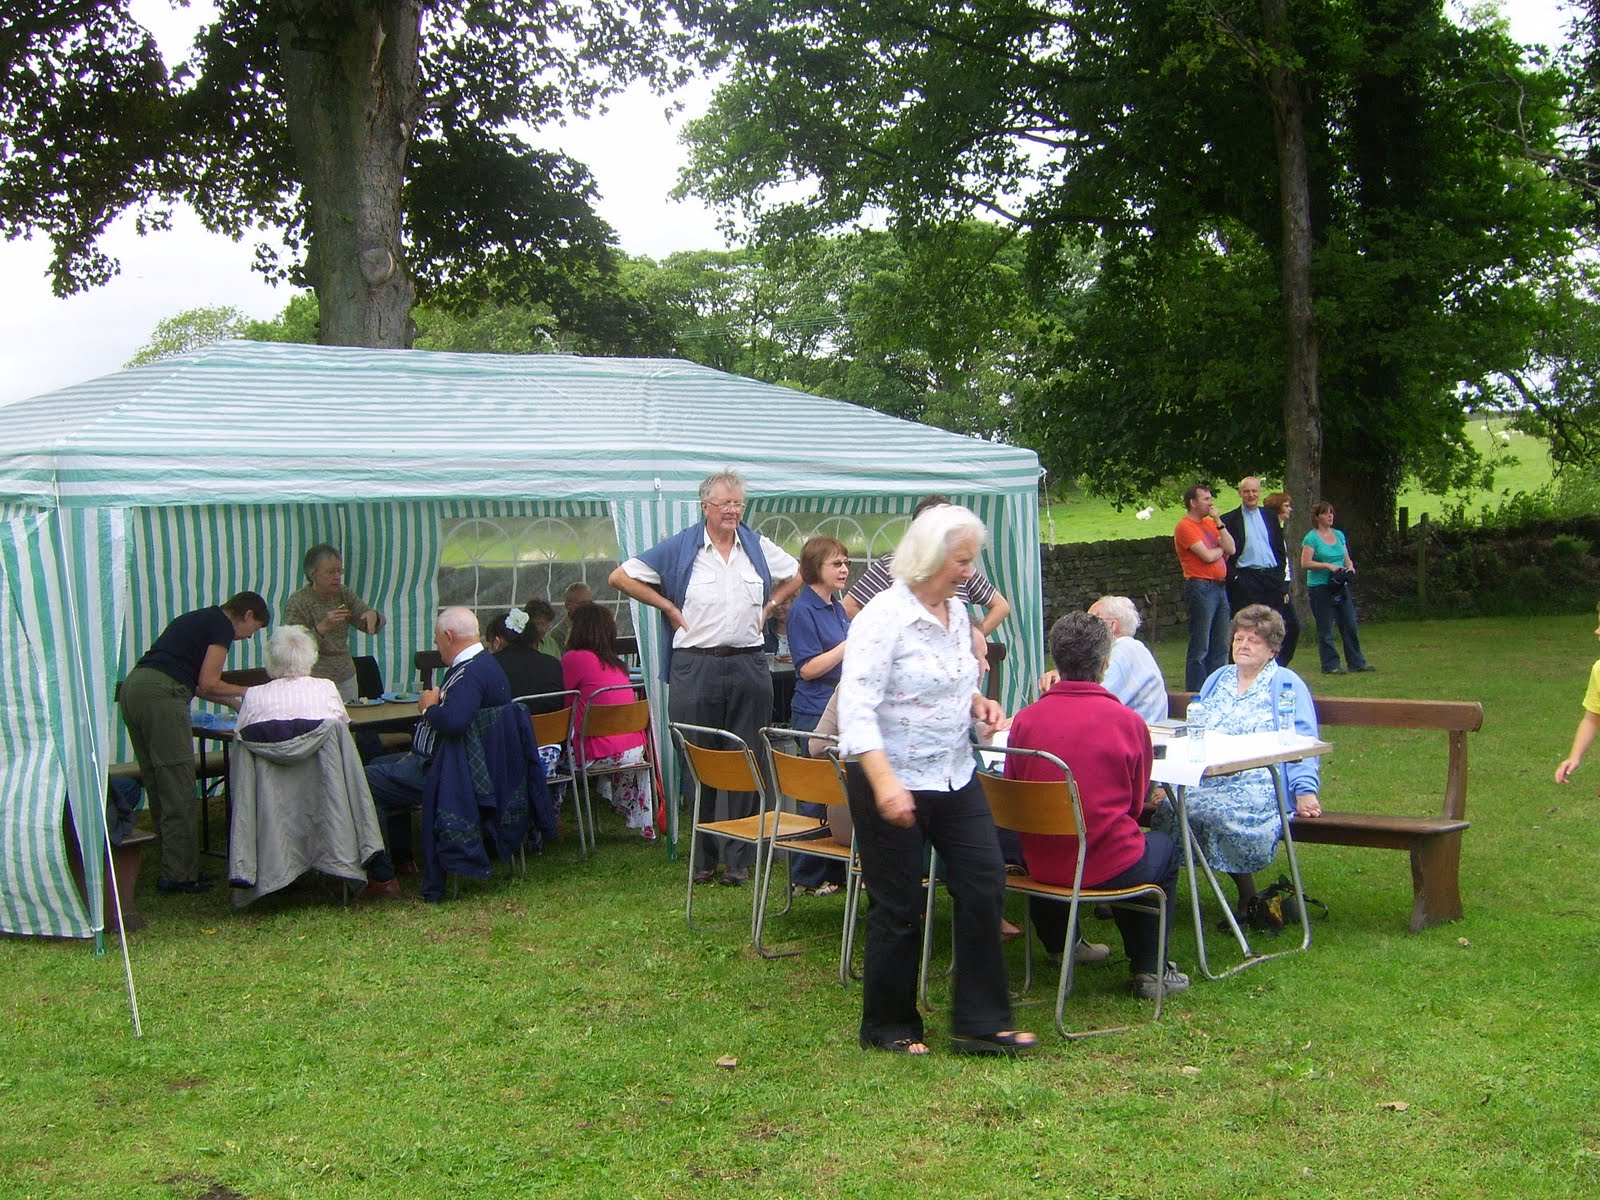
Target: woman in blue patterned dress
pixel 1234 818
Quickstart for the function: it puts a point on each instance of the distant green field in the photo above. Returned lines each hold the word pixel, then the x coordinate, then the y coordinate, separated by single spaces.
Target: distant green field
pixel 1521 466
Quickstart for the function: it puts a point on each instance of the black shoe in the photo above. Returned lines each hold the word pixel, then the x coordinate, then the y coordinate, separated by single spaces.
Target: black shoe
pixel 187 886
pixel 1333 670
pixel 1366 667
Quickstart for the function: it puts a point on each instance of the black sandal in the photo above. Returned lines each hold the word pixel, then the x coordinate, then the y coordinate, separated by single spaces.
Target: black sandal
pixel 1009 1042
pixel 896 1045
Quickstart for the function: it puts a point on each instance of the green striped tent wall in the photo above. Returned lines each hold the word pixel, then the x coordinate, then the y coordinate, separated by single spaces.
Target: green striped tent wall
pixel 63 579
pixel 128 499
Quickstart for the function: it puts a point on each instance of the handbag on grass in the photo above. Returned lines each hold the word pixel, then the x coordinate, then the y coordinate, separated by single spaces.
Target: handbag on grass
pixel 1276 905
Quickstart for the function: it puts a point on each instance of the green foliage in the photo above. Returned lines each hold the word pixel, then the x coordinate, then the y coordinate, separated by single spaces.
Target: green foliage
pixel 189 330
pixel 256 128
pixel 296 323
pixel 930 326
pixel 1144 130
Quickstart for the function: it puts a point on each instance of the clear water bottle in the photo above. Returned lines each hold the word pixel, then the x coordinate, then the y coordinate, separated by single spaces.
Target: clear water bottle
pixel 1197 730
pixel 1286 710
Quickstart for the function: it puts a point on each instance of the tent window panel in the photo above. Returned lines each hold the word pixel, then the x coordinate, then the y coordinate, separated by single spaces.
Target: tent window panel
pixel 866 536
pixel 490 564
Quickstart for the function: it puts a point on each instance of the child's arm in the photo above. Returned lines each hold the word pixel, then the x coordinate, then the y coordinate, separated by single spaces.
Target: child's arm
pixel 1581 741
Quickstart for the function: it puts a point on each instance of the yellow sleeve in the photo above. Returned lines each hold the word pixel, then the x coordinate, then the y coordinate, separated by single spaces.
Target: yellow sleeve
pixel 1591 698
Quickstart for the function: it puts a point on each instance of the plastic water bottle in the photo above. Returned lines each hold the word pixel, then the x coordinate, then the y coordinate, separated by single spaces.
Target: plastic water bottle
pixel 1286 710
pixel 1197 730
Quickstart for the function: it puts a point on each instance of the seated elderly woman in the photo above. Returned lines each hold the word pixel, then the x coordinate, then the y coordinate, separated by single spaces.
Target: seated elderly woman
pixel 293 702
pixel 1106 746
pixel 1234 818
pixel 299 794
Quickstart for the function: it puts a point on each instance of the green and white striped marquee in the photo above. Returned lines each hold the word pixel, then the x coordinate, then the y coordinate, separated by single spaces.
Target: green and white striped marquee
pixel 140 495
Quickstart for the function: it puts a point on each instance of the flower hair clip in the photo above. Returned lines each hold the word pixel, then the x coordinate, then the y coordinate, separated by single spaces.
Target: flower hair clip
pixel 516 620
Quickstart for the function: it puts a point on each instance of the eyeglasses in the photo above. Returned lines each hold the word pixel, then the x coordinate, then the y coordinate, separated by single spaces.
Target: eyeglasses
pixel 837 562
pixel 725 505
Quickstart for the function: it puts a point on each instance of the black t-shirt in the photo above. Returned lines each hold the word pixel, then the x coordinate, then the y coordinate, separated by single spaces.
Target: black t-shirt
pixel 182 646
pixel 530 673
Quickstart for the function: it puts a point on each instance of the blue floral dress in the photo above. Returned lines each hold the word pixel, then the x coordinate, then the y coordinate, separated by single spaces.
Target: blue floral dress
pixel 1233 818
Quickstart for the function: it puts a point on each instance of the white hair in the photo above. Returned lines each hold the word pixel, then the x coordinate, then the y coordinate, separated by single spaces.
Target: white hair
pixel 931 538
pixel 460 621
pixel 730 479
pixel 291 652
pixel 1121 610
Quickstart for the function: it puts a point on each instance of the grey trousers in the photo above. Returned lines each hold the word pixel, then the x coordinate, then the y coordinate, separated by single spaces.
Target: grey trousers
pixel 735 694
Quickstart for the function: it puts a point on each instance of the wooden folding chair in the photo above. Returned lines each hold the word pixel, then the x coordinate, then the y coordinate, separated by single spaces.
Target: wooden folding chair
pixel 716 758
pixel 555 729
pixel 1052 807
pixel 808 781
pixel 609 720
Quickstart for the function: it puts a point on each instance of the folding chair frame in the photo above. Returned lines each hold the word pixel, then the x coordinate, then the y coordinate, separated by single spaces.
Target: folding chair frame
pixel 1054 807
pixel 812 781
pixel 732 768
pixel 610 719
pixel 546 724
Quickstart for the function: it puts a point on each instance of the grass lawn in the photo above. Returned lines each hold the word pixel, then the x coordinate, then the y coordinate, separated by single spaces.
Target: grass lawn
pixel 560 1035
pixel 1084 518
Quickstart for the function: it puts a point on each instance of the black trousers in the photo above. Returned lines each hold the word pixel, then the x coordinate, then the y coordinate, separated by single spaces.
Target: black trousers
pixel 959 826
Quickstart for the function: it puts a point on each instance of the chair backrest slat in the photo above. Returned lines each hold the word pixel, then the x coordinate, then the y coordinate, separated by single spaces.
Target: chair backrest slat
pixel 725 769
pixel 809 780
pixel 553 728
pixel 608 720
pixel 1030 805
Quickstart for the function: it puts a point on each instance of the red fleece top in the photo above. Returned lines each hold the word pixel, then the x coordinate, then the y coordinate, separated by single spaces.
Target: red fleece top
pixel 1107 746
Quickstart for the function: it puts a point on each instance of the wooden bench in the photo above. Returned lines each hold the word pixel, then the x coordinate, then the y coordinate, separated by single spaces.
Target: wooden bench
pixel 1434 843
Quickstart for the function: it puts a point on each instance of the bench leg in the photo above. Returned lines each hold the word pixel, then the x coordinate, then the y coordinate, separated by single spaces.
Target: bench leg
pixel 1435 881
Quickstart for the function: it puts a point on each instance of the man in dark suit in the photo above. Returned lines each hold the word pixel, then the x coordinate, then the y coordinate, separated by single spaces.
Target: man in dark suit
pixel 472 681
pixel 1258 568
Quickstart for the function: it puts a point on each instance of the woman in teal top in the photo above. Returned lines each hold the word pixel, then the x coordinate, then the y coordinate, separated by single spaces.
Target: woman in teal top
pixel 1323 553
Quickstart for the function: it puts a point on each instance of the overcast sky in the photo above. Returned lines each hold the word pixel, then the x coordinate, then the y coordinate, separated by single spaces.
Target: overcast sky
pixel 633 151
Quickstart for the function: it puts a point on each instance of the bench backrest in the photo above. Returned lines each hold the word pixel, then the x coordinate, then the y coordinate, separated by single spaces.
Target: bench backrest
pixel 1456 718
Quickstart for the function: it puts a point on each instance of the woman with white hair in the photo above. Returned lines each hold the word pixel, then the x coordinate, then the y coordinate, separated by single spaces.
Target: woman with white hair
pixel 293 701
pixel 300 797
pixel 907 699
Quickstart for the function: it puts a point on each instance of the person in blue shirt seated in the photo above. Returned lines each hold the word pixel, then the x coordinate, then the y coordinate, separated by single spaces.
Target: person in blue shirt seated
pixel 1234 818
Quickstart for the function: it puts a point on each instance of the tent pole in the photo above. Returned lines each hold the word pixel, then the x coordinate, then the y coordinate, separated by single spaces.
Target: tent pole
pixel 122 938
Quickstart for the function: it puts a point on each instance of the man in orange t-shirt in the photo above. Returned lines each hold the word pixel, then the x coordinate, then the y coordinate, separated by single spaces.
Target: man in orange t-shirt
pixel 1203 547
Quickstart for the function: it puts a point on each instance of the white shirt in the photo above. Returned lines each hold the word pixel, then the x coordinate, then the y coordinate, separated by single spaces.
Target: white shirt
pixel 301 698
pixel 723 607
pixel 907 689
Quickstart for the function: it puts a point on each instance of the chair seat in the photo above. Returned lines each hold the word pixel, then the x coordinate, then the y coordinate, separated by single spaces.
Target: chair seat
pixel 1028 885
pixel 822 847
pixel 756 829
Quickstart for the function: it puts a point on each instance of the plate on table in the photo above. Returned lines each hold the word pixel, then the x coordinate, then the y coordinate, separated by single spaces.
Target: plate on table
pixel 362 702
pixel 400 697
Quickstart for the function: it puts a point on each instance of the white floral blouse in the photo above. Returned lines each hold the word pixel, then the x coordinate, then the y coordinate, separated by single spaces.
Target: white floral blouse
pixel 907 689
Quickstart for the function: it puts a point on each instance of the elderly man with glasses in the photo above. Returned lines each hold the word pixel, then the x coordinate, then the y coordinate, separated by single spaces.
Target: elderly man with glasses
pixel 715 584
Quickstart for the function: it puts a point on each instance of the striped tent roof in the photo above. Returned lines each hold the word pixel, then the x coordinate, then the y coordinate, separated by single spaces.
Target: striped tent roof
pixel 134 497
pixel 253 423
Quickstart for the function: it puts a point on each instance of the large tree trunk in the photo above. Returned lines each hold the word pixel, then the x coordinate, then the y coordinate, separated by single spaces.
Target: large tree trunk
pixel 351 89
pixel 1302 407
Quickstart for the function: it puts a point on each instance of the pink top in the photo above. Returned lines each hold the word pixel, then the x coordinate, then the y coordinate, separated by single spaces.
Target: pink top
pixel 582 671
pixel 299 699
